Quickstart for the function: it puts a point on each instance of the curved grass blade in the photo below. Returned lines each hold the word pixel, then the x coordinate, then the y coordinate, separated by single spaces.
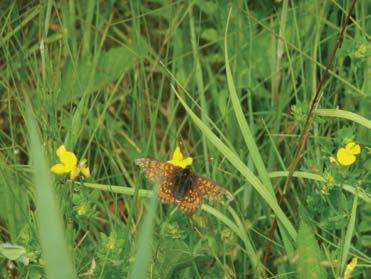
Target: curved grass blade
pixel 346 115
pixel 244 126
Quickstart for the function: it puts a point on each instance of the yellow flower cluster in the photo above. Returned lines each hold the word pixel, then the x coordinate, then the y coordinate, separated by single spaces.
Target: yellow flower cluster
pixel 68 164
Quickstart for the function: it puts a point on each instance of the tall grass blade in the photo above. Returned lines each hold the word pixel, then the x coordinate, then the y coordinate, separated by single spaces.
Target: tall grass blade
pixel 144 243
pixel 349 234
pixel 244 126
pixel 58 260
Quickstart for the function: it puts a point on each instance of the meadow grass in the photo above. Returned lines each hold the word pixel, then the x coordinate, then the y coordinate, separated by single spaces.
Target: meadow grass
pixel 231 84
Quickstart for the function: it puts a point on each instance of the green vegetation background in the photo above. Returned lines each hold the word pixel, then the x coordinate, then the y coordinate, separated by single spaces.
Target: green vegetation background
pixel 119 80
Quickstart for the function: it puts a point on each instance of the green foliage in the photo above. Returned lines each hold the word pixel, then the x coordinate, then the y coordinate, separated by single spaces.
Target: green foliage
pixel 231 85
pixel 14 253
pixel 364 227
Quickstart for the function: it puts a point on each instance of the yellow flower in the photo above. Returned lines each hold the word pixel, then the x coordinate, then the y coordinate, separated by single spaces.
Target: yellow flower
pixel 178 159
pixel 347 156
pixel 68 164
pixel 350 267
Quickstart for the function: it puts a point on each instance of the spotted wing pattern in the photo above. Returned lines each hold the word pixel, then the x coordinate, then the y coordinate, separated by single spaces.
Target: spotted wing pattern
pixel 191 201
pixel 165 192
pixel 209 189
pixel 159 172
pixel 156 171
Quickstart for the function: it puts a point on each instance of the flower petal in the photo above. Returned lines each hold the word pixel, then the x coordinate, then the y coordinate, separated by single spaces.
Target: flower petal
pixel 61 150
pixel 85 171
pixel 177 155
pixel 74 173
pixel 59 169
pixel 186 162
pixel 178 160
pixel 84 168
pixel 353 148
pixel 344 157
pixel 67 158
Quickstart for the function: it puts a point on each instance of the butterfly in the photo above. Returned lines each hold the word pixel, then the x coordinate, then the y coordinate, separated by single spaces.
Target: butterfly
pixel 180 186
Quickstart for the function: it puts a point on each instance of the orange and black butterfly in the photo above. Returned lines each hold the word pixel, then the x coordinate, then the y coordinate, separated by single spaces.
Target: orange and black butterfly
pixel 180 186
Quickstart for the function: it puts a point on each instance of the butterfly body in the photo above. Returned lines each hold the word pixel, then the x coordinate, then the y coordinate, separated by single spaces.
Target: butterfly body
pixel 183 180
pixel 178 185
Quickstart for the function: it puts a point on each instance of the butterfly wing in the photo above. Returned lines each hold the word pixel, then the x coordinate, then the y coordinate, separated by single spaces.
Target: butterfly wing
pixel 155 171
pixel 191 201
pixel 162 173
pixel 165 191
pixel 209 189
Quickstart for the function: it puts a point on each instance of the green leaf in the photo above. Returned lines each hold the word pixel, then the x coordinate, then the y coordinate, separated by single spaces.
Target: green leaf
pixel 12 252
pixel 308 265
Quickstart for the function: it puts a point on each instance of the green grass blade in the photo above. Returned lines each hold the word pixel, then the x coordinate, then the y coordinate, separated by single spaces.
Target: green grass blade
pixel 200 88
pixel 349 234
pixel 144 243
pixel 244 126
pixel 58 260
pixel 242 168
pixel 128 191
pixel 346 115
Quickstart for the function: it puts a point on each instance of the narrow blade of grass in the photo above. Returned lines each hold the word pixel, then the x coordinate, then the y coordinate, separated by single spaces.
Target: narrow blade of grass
pixel 346 115
pixel 349 234
pixel 144 243
pixel 244 126
pixel 58 261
